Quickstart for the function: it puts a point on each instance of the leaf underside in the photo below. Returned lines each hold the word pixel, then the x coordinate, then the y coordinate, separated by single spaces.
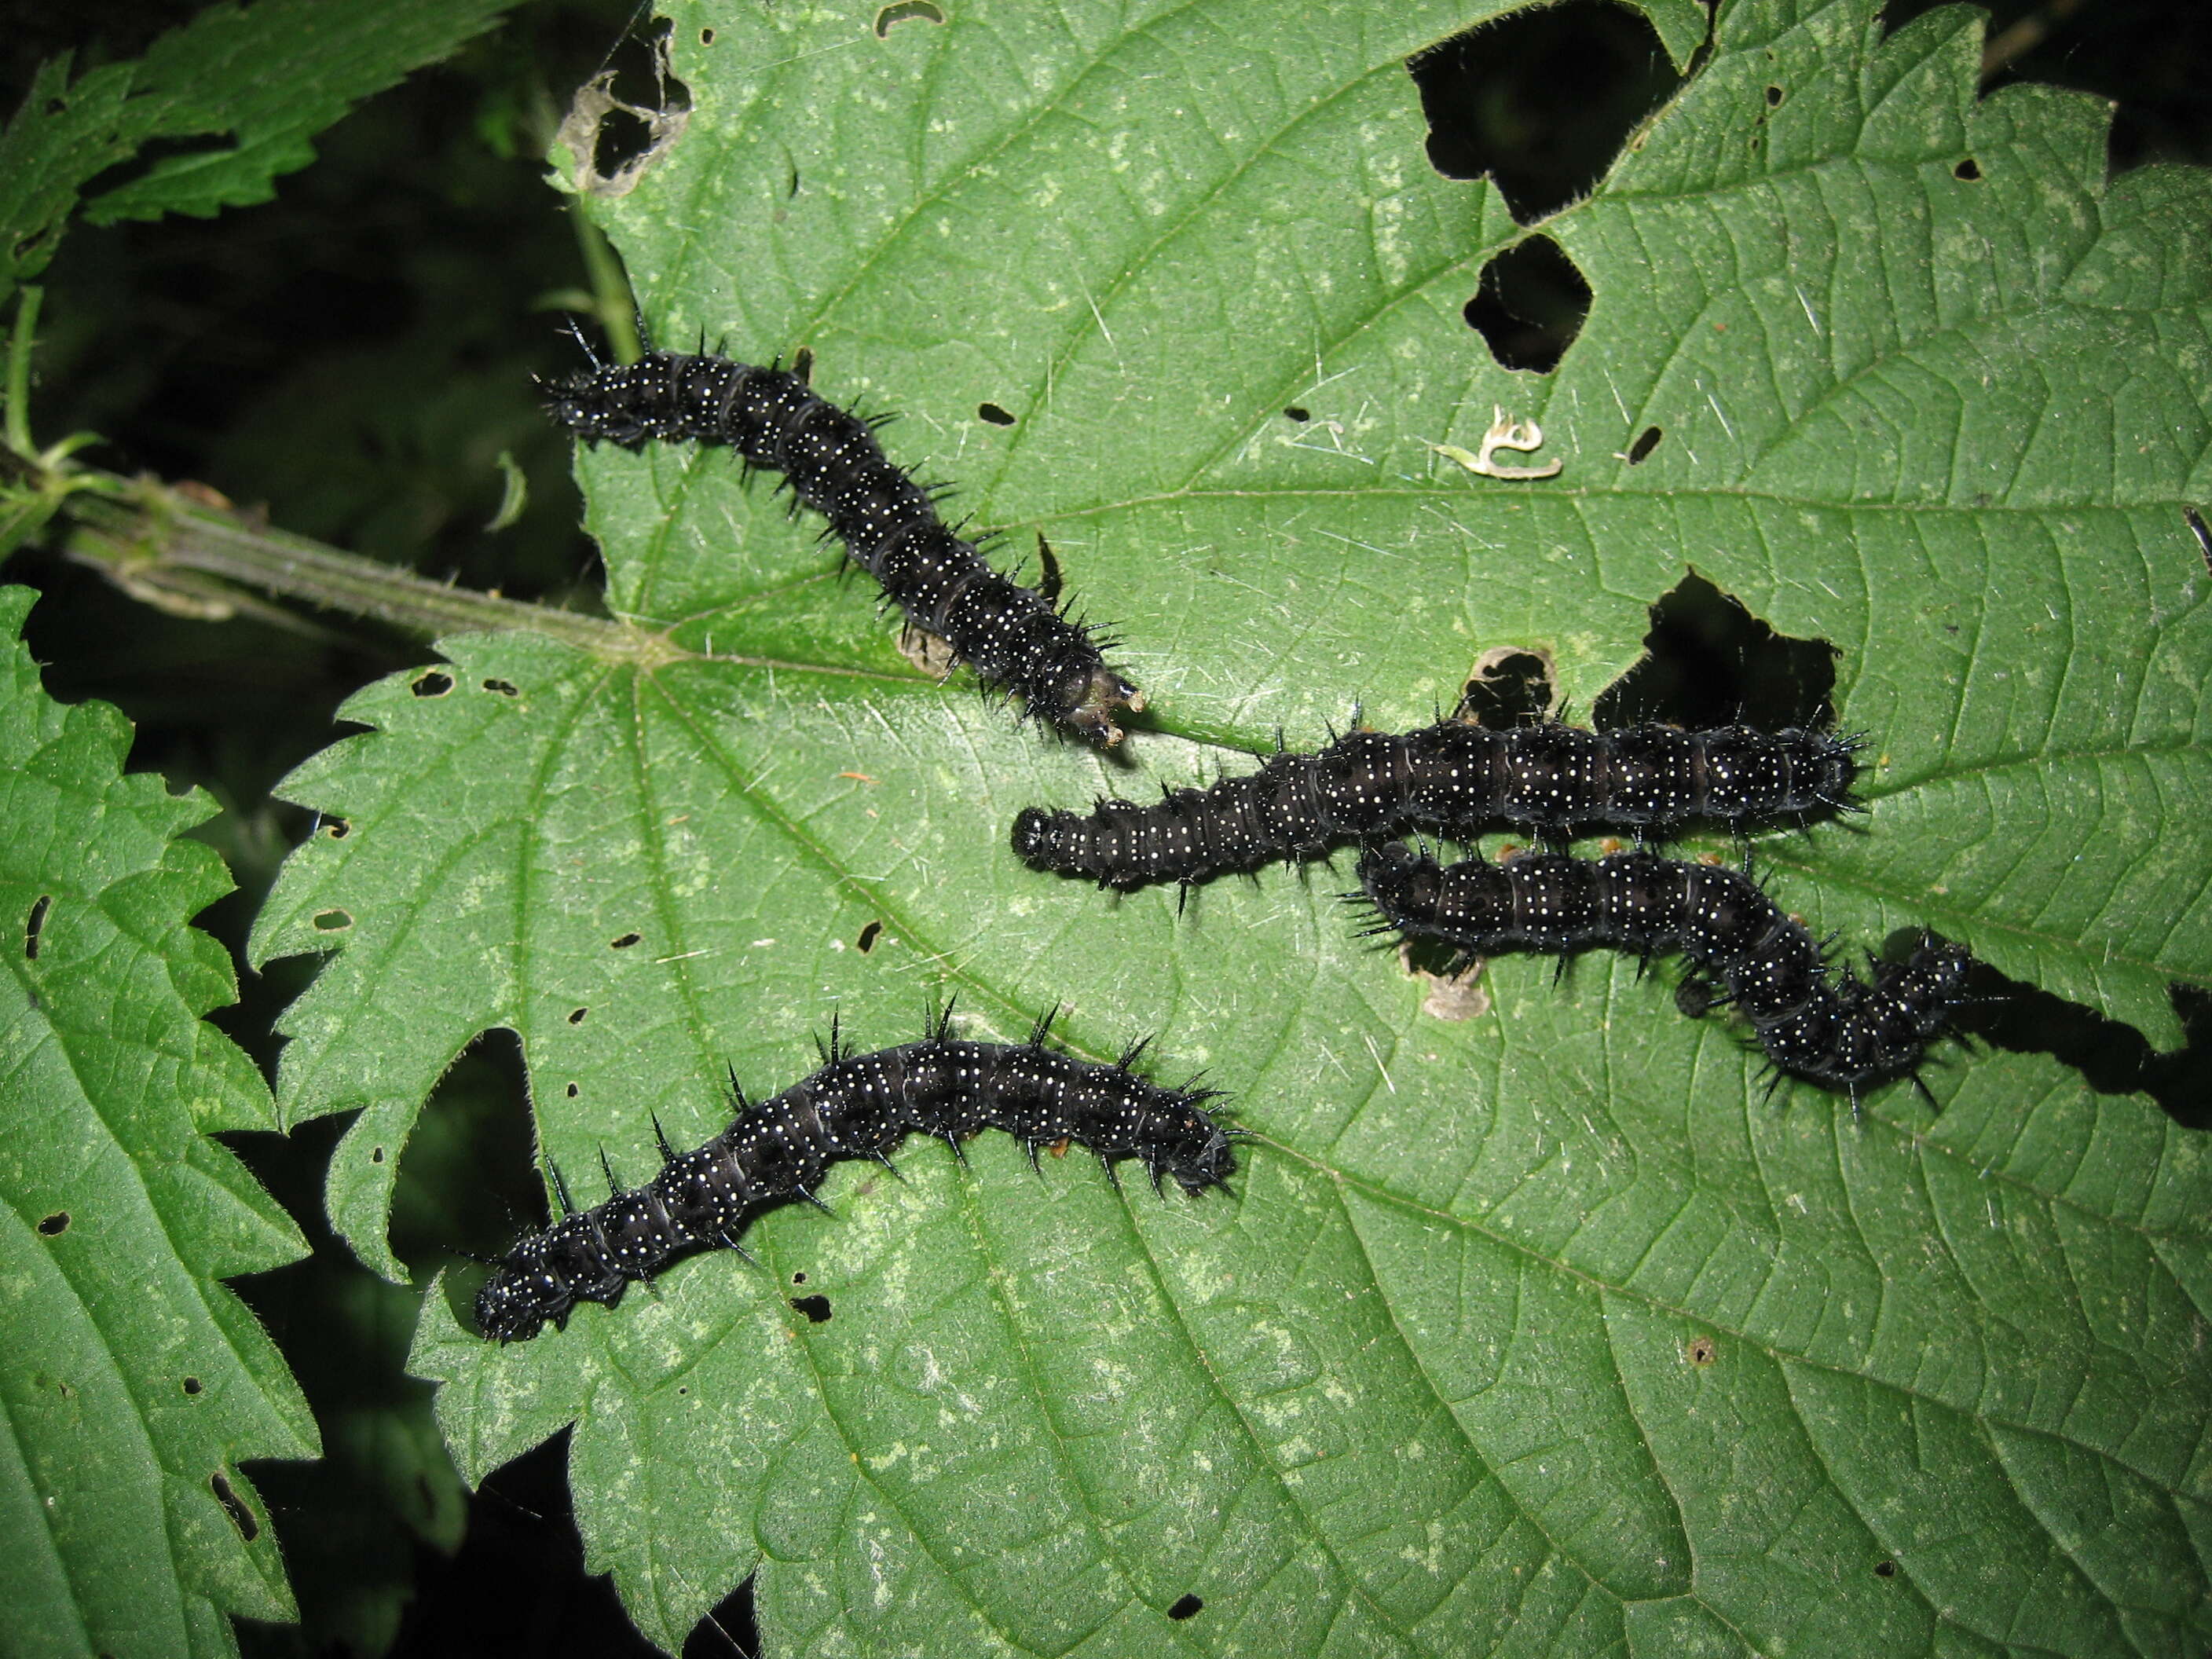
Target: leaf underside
pixel 1544 1330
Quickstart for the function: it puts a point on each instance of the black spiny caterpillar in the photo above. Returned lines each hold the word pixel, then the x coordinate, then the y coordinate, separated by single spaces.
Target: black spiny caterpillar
pixel 1010 635
pixel 1453 779
pixel 856 1106
pixel 1837 1030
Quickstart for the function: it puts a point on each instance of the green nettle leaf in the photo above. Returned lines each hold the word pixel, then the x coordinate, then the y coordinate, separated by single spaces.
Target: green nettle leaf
pixel 1544 1328
pixel 135 1383
pixel 251 87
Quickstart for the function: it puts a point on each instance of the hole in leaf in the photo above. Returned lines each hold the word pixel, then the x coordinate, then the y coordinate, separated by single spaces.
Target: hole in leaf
pixel 234 1507
pixel 816 1308
pixel 505 688
pixel 2149 59
pixel 332 921
pixel 1542 101
pixel 1885 1568
pixel 1455 992
pixel 1185 1606
pixel 1431 960
pixel 802 360
pixel 1048 576
pixel 1531 306
pixel 1708 661
pixel 1968 171
pixel 706 37
pixel 1646 441
pixel 35 925
pixel 337 828
pixel 1295 412
pixel 869 934
pixel 907 11
pixel 574 1092
pixel 623 136
pixel 628 114
pixel 52 1226
pixel 465 1182
pixel 624 942
pixel 433 683
pixel 1774 97
pixel 799 1278
pixel 1699 1350
pixel 2112 1058
pixel 191 1385
pixel 376 1155
pixel 994 414
pixel 576 1016
pixel 1509 687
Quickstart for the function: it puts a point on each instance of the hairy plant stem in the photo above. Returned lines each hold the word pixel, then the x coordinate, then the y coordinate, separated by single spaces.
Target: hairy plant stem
pixel 164 546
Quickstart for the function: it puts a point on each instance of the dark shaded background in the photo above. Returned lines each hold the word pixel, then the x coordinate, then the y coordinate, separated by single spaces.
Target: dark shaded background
pixel 356 354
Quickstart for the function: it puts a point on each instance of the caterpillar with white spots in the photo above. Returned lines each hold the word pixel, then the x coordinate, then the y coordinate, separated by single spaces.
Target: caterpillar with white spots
pixel 1833 1029
pixel 1453 779
pixel 855 1106
pixel 1011 637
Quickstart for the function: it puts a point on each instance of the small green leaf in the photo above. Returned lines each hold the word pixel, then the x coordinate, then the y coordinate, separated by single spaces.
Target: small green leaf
pixel 1545 1327
pixel 255 85
pixel 136 1384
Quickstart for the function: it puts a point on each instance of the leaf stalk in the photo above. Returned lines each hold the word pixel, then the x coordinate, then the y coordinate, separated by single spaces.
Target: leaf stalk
pixel 171 547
